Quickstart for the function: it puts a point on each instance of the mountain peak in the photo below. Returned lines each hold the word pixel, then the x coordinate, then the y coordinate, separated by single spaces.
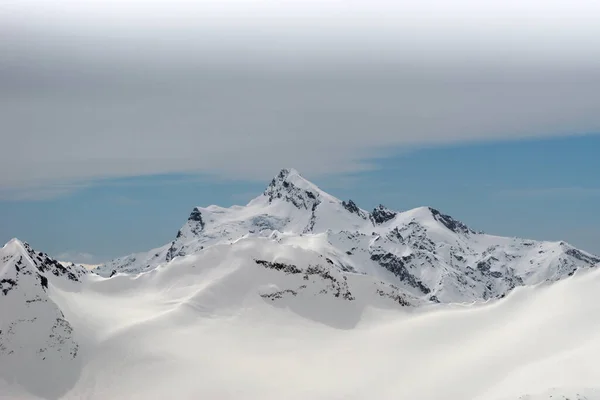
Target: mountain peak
pixel 196 215
pixel 13 242
pixel 290 176
pixel 382 214
pixel 290 186
pixel 288 172
pixel 17 246
pixel 450 223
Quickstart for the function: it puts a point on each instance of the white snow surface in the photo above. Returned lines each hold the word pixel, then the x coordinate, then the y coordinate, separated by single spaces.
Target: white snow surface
pixel 301 296
pixel 204 326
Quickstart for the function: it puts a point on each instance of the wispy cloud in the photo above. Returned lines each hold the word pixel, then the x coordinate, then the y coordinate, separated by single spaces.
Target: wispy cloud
pixel 39 192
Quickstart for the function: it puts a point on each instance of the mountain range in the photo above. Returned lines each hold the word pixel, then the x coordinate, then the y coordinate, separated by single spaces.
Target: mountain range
pixel 427 254
pixel 245 299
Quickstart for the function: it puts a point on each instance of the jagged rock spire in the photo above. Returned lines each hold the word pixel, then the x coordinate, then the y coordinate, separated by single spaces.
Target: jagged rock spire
pixel 451 223
pixel 290 186
pixel 382 214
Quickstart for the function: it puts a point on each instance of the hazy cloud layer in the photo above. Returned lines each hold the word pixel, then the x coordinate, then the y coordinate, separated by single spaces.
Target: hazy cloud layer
pixel 101 89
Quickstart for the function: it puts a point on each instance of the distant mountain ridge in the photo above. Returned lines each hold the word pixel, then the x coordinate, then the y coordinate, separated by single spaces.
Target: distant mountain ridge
pixel 427 254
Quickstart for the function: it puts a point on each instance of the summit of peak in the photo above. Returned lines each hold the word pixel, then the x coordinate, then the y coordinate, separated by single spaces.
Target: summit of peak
pixel 17 241
pixel 452 224
pixel 195 215
pixel 26 258
pixel 16 244
pixel 286 173
pixel 290 178
pixel 13 241
pixel 382 214
pixel 290 186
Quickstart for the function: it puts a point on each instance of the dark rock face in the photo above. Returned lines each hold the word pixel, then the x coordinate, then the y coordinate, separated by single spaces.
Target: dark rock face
pixel 300 198
pixel 494 276
pixel 451 223
pixel 196 215
pixel 42 265
pixel 281 188
pixel 6 285
pixel 57 269
pixel 414 235
pixel 395 236
pixel 582 256
pixel 313 217
pixel 287 268
pixel 278 295
pixel 196 225
pixel 382 214
pixel 45 264
pixel 484 267
pixel 351 207
pixel 281 176
pixel 337 287
pixel 397 266
pixel 43 281
pixel 195 222
pixel 395 296
pixel 172 252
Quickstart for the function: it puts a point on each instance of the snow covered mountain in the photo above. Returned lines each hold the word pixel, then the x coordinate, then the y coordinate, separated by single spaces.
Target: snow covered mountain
pixel 427 254
pixel 301 295
pixel 226 323
pixel 35 338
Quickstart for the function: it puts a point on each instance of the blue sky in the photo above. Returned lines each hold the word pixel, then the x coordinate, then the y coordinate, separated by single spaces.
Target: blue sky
pixel 542 189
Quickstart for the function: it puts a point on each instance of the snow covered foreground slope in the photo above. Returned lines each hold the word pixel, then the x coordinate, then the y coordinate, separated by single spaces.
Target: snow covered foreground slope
pixel 217 325
pixel 425 253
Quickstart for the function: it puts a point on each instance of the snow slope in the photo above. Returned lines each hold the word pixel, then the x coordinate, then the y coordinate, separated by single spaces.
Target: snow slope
pixel 37 345
pixel 223 324
pixel 428 254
